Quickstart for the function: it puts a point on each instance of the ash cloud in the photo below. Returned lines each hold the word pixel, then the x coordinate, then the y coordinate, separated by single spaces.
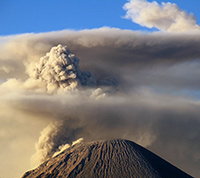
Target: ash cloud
pixel 162 123
pixel 142 87
pixel 113 56
pixel 165 17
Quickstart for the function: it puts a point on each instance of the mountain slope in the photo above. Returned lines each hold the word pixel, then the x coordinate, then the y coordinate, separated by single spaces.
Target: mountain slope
pixel 106 159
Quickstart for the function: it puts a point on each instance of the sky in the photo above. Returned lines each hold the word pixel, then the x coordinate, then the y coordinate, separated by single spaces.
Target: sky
pixel 97 69
pixel 41 16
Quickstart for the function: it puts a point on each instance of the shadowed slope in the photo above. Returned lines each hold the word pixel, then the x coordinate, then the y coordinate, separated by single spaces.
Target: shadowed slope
pixel 111 159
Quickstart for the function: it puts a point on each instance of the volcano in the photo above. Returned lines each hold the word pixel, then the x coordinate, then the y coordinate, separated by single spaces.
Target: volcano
pixel 106 159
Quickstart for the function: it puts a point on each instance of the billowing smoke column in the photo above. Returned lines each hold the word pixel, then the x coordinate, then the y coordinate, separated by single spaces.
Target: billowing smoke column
pixel 54 138
pixel 59 69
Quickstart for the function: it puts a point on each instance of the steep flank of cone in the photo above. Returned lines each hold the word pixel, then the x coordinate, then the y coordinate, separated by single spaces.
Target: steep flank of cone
pixel 106 159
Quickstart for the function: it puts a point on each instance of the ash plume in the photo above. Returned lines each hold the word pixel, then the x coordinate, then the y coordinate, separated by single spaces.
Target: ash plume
pixel 59 69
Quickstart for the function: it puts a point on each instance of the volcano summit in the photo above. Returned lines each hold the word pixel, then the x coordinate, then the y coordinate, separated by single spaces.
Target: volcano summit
pixel 106 159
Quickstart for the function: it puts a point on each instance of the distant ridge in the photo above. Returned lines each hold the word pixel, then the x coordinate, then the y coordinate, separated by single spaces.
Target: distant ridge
pixel 106 159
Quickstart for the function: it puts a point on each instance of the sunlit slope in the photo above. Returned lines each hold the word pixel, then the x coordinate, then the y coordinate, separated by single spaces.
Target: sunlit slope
pixel 112 158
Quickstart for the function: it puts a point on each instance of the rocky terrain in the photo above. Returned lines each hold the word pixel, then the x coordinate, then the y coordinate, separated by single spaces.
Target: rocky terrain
pixel 106 159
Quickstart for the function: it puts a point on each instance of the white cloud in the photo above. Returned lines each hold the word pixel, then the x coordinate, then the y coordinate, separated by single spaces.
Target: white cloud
pixel 165 17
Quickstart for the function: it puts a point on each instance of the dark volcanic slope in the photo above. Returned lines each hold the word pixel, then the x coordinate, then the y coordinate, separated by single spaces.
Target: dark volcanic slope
pixel 101 159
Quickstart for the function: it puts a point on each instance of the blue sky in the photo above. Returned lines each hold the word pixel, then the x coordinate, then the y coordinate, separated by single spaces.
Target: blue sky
pixel 25 16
